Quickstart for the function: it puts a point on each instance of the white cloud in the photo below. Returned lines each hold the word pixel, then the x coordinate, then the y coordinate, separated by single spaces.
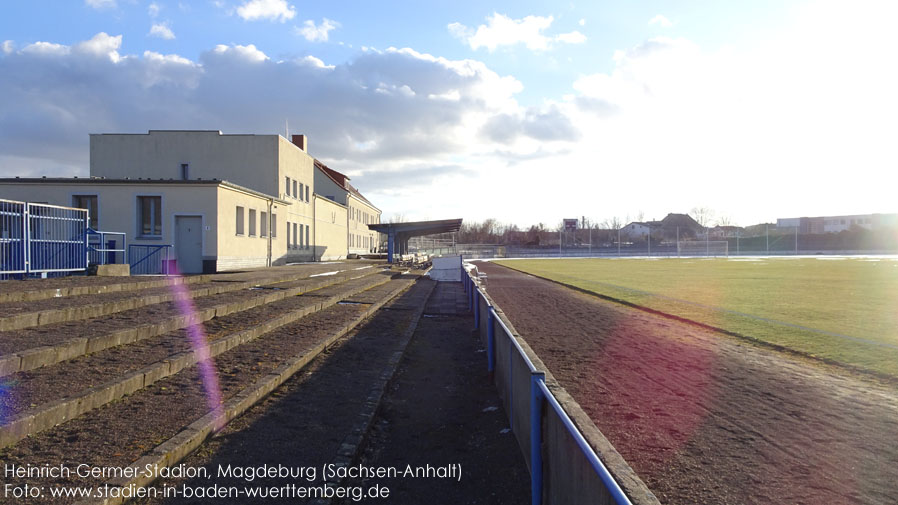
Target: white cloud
pixel 101 45
pixel 247 53
pixel 269 10
pixel 573 37
pixel 502 30
pixel 162 30
pixel 386 109
pixel 660 20
pixel 153 9
pixel 318 33
pixel 582 22
pixel 101 4
pixel 7 47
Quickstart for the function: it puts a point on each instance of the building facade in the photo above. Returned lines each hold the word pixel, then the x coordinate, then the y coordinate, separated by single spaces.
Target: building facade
pixel 222 201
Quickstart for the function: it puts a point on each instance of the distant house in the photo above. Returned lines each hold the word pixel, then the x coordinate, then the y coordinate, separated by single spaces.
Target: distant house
pixel 725 231
pixel 669 228
pixel 835 224
pixel 638 229
pixel 680 225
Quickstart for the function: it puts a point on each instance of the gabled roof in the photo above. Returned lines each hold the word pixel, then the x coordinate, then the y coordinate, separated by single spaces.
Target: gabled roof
pixel 682 220
pixel 342 180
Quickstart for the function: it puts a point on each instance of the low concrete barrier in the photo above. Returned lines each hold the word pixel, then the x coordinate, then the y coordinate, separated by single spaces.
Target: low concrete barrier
pixel 564 472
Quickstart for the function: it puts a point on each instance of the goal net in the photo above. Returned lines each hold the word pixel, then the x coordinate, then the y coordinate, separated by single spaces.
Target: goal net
pixel 703 248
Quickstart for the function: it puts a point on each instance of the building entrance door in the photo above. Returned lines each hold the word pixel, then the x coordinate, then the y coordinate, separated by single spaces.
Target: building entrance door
pixel 189 244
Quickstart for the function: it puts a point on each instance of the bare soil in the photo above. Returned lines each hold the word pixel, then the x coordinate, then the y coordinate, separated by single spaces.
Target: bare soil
pixel 28 338
pixel 707 418
pixel 122 431
pixel 30 389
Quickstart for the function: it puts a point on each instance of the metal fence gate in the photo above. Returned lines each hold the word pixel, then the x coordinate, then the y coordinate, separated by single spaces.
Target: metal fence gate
pixel 38 238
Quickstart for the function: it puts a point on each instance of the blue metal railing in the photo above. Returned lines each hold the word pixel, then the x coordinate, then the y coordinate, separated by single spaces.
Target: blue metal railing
pixel 150 259
pixel 106 247
pixel 539 395
pixel 43 239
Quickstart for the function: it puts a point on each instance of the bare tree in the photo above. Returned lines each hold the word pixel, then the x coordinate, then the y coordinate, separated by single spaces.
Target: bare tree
pixel 724 221
pixel 398 218
pixel 702 215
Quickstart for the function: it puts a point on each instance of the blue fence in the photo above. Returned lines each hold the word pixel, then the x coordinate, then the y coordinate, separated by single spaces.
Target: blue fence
pixel 550 440
pixel 151 259
pixel 41 239
pixel 13 251
pixel 106 247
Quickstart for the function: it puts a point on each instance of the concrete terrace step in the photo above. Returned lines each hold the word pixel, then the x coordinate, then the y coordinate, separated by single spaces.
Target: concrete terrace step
pixel 63 342
pixel 41 289
pixel 167 420
pixel 128 372
pixel 25 314
pixel 32 290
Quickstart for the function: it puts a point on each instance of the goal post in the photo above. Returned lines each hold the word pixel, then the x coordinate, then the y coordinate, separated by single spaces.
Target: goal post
pixel 712 248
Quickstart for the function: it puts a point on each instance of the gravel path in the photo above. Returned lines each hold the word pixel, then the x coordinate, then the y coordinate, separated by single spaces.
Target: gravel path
pixel 705 418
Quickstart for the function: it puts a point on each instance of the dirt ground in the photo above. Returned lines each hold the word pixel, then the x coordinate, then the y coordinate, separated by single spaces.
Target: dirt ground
pixel 707 418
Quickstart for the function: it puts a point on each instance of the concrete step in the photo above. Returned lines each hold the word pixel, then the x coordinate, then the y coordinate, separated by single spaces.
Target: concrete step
pixel 165 421
pixel 119 372
pixel 31 348
pixel 24 314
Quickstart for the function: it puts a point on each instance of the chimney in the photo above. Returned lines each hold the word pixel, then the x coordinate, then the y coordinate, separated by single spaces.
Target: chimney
pixel 300 141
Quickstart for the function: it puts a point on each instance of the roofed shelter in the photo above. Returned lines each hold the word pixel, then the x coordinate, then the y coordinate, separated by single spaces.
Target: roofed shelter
pixel 398 234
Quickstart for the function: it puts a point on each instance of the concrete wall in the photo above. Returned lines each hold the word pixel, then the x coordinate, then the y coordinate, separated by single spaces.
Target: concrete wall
pixel 296 164
pixel 330 229
pixel 568 476
pixel 361 240
pixel 326 187
pixel 245 250
pixel 247 160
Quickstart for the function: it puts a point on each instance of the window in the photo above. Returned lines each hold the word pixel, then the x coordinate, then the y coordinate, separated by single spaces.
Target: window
pixel 185 171
pixel 263 224
pixel 301 244
pixel 274 225
pixel 288 187
pixel 301 189
pixel 240 220
pixel 295 239
pixel 288 234
pixel 295 195
pixel 252 222
pixel 149 216
pixel 307 193
pixel 307 237
pixel 88 202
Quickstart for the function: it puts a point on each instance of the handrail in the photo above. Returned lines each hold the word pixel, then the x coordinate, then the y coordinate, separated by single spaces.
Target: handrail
pixel 540 391
pixel 613 488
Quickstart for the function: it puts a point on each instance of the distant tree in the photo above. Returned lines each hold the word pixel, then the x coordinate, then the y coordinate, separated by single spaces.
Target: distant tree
pixel 613 223
pixel 724 221
pixel 702 215
pixel 398 218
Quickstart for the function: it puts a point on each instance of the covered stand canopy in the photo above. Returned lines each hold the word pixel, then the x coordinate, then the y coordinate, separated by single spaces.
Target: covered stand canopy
pixel 399 233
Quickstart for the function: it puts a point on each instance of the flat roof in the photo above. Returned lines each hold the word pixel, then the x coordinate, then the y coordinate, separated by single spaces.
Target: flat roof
pixel 418 228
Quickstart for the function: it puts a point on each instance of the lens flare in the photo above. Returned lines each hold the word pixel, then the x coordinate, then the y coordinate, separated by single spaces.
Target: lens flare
pixel 200 345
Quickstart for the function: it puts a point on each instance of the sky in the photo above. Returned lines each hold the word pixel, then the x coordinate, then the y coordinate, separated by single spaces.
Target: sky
pixel 526 112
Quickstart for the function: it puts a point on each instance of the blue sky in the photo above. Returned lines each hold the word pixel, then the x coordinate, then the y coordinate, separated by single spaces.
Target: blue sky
pixel 757 110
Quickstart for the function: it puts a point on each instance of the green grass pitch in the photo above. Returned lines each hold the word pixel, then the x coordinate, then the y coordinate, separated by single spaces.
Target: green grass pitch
pixel 844 310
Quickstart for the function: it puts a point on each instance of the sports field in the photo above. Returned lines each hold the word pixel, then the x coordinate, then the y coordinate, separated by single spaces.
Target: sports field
pixel 843 310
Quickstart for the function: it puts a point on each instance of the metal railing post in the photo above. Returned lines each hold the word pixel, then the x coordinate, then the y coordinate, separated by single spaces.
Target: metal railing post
pixel 536 438
pixel 471 296
pixel 491 341
pixel 477 309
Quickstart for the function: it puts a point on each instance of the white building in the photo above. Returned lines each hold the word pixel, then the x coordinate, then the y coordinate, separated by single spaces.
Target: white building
pixel 222 201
